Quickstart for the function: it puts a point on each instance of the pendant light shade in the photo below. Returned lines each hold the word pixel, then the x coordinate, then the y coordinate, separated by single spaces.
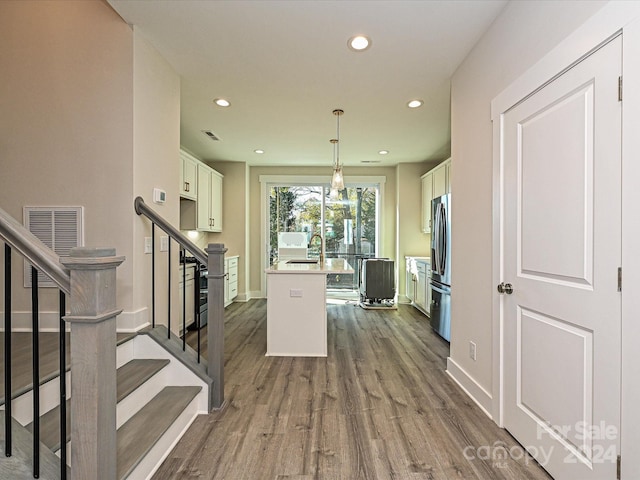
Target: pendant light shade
pixel 337 179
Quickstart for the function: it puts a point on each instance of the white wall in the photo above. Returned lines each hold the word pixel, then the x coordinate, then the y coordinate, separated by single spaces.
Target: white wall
pixel 66 127
pixel 90 117
pixel 156 164
pixel 520 36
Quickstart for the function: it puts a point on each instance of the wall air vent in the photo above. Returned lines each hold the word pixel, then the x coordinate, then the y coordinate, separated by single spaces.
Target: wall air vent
pixel 59 228
pixel 370 161
pixel 211 135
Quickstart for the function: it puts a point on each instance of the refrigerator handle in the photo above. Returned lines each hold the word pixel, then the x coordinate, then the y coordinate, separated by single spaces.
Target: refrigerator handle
pixel 445 226
pixel 436 240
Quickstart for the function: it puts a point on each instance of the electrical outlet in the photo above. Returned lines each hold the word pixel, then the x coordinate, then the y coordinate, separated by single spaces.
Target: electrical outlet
pixel 147 245
pixel 472 351
pixel 164 243
pixel 295 292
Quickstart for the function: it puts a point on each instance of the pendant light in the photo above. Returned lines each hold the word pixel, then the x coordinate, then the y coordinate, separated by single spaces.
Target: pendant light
pixel 337 180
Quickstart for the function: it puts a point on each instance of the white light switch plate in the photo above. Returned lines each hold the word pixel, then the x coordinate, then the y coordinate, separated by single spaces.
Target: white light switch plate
pixel 147 245
pixel 164 244
pixel 295 292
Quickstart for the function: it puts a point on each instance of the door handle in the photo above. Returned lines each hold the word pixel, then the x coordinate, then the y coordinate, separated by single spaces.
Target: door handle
pixel 505 288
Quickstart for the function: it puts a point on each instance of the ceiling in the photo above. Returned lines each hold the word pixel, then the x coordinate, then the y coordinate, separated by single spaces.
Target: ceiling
pixel 285 66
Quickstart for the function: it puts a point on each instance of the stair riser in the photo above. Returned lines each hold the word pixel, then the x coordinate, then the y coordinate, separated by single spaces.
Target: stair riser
pixel 124 353
pixel 175 373
pixel 132 403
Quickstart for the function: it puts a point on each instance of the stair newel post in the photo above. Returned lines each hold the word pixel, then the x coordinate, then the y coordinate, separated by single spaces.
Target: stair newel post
pixel 215 323
pixel 93 360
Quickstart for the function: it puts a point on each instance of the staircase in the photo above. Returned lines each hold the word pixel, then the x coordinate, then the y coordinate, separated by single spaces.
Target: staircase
pixel 158 398
pixel 130 400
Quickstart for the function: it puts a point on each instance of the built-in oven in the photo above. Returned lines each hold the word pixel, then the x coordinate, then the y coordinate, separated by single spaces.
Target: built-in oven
pixel 202 292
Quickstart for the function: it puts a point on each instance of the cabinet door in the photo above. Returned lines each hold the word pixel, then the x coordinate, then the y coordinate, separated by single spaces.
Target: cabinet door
pixel 428 291
pixel 231 281
pixel 226 282
pixel 216 202
pixel 439 181
pixel 427 195
pixel 409 282
pixel 188 178
pixel 421 299
pixel 204 198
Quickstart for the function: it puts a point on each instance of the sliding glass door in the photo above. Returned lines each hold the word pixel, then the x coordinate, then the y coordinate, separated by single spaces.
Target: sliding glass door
pixel 346 223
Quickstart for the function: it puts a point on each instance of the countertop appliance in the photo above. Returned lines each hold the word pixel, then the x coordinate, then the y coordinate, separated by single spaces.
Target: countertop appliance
pixel 440 281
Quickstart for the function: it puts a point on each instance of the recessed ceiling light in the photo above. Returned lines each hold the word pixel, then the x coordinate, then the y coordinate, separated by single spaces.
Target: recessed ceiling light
pixel 383 152
pixel 415 103
pixel 359 43
pixel 259 151
pixel 221 102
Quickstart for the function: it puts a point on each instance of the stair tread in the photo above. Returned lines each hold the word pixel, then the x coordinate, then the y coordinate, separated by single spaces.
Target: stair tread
pixel 128 377
pixel 141 432
pixel 124 337
pixel 135 372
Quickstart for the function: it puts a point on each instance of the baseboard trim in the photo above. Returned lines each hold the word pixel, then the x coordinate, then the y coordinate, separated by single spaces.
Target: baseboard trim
pixel 130 322
pixel 254 294
pixel 472 388
pixel 404 300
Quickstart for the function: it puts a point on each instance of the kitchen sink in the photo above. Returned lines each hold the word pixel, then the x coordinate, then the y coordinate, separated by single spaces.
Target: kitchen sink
pixel 304 260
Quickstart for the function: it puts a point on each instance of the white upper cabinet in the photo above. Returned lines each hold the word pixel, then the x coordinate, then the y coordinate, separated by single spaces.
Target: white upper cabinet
pixel 215 205
pixel 188 176
pixel 209 203
pixel 427 195
pixel 205 213
pixel 439 181
pixel 435 183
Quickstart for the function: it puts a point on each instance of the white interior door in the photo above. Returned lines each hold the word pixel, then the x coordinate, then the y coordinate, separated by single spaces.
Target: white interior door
pixel 562 250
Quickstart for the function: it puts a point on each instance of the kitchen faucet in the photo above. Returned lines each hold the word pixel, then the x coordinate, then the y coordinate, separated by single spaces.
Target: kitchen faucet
pixel 321 246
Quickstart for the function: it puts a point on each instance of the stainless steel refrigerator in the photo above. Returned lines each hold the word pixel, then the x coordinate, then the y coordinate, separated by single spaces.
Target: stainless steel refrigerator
pixel 440 281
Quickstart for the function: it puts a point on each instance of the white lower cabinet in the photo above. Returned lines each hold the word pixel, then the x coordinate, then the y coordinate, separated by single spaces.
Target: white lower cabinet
pixel 230 279
pixel 417 287
pixel 410 281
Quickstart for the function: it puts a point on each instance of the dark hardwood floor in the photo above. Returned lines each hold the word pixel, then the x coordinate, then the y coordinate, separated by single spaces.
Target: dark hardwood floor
pixel 380 406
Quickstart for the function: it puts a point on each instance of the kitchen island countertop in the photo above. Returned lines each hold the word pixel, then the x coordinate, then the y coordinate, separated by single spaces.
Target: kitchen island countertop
pixel 330 265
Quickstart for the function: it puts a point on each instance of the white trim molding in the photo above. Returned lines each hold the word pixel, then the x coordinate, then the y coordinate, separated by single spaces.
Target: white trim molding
pixel 472 388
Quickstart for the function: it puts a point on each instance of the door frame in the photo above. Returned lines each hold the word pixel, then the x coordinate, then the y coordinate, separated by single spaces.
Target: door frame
pixel 613 19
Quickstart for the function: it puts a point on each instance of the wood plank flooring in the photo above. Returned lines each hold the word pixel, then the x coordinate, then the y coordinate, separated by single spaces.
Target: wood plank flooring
pixel 380 406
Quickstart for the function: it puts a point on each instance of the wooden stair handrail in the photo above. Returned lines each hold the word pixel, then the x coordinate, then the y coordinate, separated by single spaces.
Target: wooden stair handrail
pixel 143 209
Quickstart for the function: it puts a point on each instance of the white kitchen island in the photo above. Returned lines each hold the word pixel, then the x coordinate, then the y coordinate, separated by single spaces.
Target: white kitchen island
pixel 297 307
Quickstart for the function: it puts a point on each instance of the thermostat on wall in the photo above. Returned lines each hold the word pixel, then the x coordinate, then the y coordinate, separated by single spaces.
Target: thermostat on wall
pixel 159 196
